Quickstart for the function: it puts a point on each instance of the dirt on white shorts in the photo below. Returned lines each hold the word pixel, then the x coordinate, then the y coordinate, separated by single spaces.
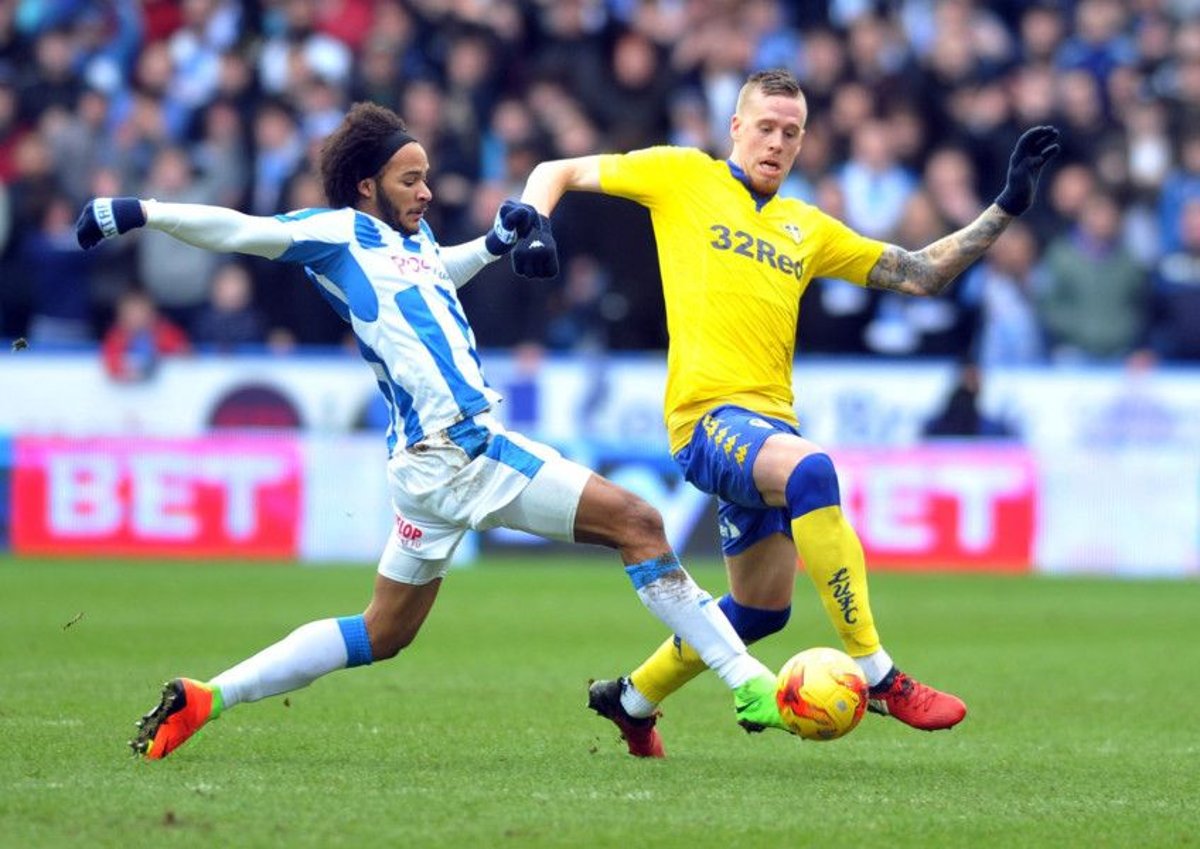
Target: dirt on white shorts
pixel 474 476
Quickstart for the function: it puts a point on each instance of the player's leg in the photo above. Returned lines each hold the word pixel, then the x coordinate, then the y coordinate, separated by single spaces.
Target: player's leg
pixel 719 460
pixel 762 577
pixel 565 501
pixel 612 516
pixel 615 517
pixel 795 473
pixel 405 590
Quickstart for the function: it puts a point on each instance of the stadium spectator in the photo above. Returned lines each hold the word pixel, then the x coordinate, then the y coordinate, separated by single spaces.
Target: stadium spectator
pixel 30 195
pixel 470 88
pixel 576 315
pixel 220 155
pixel 389 56
pixel 139 338
pixel 176 276
pixel 834 315
pixel 1177 292
pixel 79 142
pixel 1095 301
pixel 632 109
pixel 58 275
pixel 208 29
pixel 1179 187
pixel 1070 187
pixel 1042 29
pixel 230 321
pixel 1003 287
pixel 950 180
pixel 822 66
pixel 875 185
pixel 279 150
pixel 50 80
pixel 1099 42
pixel 12 128
pixel 296 50
pixel 960 415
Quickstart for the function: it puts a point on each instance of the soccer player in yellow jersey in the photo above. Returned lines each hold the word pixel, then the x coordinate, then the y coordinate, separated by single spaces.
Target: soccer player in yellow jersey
pixel 735 260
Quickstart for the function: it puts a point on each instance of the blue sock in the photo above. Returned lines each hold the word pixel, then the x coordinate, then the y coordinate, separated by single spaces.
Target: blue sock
pixel 358 642
pixel 753 623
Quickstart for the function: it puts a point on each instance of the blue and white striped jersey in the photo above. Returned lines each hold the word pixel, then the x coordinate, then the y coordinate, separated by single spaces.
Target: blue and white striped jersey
pixel 396 295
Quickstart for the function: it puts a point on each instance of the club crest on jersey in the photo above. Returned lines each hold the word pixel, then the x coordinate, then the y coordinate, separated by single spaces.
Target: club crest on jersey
pixel 793 231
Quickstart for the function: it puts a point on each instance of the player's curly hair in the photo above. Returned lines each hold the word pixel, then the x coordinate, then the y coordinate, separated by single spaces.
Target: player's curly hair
pixel 355 141
pixel 776 81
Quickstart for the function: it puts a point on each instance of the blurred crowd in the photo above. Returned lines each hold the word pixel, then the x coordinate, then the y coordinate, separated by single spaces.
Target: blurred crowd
pixel 914 106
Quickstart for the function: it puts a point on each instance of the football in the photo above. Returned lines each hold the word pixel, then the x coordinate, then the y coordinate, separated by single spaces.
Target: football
pixel 821 693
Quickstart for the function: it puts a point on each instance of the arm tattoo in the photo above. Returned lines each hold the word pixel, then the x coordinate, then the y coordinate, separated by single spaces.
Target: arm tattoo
pixel 930 270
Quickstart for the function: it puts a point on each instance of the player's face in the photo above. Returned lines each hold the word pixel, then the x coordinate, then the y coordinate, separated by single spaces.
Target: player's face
pixel 767 133
pixel 401 191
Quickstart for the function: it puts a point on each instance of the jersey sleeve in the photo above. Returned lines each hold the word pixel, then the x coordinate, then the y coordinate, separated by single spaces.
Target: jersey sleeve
pixel 320 236
pixel 645 176
pixel 845 254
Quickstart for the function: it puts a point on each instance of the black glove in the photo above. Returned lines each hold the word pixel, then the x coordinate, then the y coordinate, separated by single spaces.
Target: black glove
pixel 536 255
pixel 513 222
pixel 107 218
pixel 1034 149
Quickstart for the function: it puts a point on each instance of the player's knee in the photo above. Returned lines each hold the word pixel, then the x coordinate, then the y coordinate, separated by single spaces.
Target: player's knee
pixel 812 485
pixel 639 523
pixel 387 641
pixel 753 623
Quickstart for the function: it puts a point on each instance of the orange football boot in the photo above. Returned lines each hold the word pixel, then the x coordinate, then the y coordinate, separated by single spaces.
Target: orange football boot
pixel 184 708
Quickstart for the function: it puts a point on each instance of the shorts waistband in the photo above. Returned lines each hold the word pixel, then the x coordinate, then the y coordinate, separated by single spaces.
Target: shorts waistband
pixel 470 435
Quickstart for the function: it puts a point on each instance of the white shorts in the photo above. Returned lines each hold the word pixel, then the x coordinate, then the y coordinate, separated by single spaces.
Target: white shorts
pixel 474 476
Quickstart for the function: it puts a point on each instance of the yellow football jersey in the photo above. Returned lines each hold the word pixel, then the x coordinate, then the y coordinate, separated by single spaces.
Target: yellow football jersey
pixel 733 272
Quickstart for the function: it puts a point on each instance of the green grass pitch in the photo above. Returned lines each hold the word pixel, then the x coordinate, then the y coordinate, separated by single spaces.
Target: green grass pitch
pixel 1083 724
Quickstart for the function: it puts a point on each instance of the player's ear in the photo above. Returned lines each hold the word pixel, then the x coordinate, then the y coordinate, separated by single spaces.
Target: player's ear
pixel 735 126
pixel 366 188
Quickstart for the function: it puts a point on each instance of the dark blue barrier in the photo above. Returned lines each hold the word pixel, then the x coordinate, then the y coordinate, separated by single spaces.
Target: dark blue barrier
pixel 5 490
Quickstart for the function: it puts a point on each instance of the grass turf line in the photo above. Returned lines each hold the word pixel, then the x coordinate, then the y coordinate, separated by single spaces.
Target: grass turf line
pixel 1080 733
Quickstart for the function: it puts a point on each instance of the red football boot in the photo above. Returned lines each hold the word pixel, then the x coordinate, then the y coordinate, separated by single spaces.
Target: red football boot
pixel 639 733
pixel 914 703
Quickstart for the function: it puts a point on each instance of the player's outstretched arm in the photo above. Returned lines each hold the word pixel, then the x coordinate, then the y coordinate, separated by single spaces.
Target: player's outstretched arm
pixel 930 270
pixel 537 254
pixel 212 227
pixel 549 181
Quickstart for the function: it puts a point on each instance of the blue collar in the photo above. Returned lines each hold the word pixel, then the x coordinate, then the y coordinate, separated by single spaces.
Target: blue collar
pixel 760 200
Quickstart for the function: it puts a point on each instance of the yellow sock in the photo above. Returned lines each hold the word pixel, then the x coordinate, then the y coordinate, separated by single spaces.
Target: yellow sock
pixel 833 557
pixel 670 667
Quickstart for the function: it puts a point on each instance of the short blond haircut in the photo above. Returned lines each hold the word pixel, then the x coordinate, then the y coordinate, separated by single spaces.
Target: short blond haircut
pixel 778 81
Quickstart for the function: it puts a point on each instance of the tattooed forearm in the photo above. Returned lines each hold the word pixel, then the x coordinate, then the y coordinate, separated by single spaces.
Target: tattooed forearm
pixel 930 270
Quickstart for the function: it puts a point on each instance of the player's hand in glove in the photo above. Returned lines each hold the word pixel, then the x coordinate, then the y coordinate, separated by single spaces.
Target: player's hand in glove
pixel 514 221
pixel 536 255
pixel 106 218
pixel 1036 147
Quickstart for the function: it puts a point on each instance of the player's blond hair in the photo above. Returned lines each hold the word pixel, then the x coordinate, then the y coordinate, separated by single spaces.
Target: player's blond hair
pixel 777 81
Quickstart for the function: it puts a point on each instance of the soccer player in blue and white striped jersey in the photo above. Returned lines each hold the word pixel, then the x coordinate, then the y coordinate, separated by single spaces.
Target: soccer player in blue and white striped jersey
pixel 451 465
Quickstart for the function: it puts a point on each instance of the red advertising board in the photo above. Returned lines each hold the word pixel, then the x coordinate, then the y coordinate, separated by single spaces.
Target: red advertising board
pixel 943 506
pixel 221 496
